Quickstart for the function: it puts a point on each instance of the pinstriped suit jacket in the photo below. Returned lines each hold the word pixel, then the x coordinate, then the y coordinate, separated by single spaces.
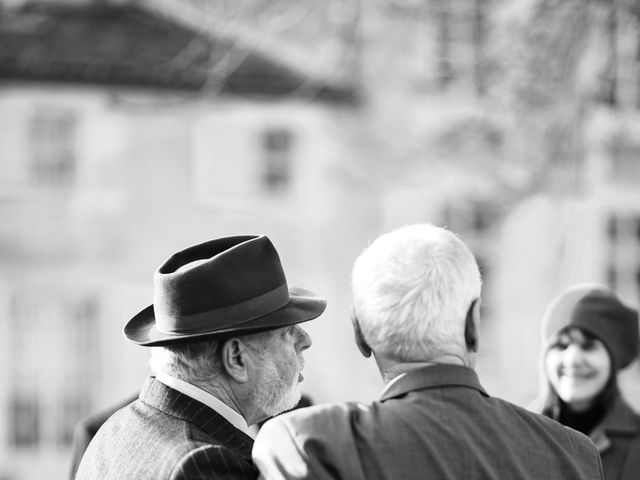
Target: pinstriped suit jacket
pixel 167 435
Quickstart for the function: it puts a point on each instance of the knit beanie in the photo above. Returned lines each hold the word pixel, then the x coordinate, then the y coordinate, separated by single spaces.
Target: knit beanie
pixel 600 312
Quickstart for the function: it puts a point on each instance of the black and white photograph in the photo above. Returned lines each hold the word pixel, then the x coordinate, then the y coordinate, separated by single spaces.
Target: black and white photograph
pixel 319 239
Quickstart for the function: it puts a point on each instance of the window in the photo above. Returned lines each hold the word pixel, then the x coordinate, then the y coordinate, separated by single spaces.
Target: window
pixel 609 94
pixel 24 418
pixel 475 218
pixel 460 41
pixel 624 150
pixel 623 269
pixel 479 45
pixel 277 145
pixel 72 408
pixel 445 69
pixel 612 229
pixel 474 221
pixel 53 350
pixel 23 407
pixel 619 27
pixel 52 143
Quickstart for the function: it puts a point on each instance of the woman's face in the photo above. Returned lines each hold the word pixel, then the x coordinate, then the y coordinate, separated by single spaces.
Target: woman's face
pixel 578 367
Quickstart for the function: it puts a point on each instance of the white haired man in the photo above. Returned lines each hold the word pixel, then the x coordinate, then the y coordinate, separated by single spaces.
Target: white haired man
pixel 228 354
pixel 416 300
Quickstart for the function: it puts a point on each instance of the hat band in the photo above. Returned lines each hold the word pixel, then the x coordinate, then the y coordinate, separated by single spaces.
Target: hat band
pixel 226 317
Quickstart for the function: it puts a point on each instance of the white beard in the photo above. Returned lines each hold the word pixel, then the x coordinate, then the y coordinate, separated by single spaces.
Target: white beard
pixel 273 395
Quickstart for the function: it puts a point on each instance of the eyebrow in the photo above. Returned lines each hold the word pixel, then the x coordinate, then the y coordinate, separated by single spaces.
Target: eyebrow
pixel 580 338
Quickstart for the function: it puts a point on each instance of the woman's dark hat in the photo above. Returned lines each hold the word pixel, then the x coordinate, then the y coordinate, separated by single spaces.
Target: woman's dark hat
pixel 230 285
pixel 600 312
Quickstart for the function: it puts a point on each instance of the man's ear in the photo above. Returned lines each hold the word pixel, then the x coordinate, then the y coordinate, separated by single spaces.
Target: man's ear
pixel 471 326
pixel 362 344
pixel 234 359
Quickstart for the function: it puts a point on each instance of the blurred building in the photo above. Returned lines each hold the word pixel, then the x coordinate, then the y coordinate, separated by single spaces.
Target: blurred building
pixel 515 124
pixel 443 150
pixel 126 135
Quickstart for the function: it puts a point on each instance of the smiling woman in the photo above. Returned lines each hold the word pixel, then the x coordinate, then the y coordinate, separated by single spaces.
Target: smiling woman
pixel 589 335
pixel 578 367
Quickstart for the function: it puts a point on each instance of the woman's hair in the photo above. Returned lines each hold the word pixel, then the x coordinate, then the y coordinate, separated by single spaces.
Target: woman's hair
pixel 412 289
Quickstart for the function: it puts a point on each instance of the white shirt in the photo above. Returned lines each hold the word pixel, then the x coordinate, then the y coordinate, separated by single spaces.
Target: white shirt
pixel 391 382
pixel 229 414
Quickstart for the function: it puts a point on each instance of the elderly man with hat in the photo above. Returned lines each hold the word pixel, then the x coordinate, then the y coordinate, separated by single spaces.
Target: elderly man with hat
pixel 228 353
pixel 589 334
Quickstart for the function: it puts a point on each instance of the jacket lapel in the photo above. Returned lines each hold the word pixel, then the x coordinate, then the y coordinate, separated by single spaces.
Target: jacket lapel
pixel 174 403
pixel 620 420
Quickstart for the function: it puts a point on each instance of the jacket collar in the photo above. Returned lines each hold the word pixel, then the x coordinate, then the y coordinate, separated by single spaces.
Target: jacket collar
pixel 179 405
pixel 620 420
pixel 433 376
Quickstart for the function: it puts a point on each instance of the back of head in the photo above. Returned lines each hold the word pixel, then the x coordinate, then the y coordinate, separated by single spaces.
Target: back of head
pixel 412 289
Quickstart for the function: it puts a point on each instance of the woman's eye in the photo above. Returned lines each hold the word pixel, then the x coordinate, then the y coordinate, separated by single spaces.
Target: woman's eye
pixel 588 345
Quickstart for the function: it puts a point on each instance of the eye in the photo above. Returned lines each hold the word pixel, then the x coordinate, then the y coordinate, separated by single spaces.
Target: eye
pixel 560 346
pixel 589 345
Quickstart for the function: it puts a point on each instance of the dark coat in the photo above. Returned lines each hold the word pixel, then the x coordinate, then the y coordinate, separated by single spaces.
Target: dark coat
pixel 435 422
pixel 618 440
pixel 167 435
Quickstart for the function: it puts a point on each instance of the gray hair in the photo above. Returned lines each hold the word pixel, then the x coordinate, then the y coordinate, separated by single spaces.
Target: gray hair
pixel 192 362
pixel 412 289
pixel 199 362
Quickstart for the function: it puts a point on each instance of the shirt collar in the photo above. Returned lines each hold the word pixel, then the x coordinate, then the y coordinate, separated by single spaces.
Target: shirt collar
pixel 392 382
pixel 433 376
pixel 229 414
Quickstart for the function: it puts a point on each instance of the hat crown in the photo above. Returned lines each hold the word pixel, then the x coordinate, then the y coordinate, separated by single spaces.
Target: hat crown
pixel 217 274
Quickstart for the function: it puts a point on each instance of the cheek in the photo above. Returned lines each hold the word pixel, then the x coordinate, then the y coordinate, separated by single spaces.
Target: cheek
pixel 290 364
pixel 602 364
pixel 551 363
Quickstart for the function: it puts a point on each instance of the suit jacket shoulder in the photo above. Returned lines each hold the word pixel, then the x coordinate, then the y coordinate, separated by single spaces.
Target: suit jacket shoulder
pixel 311 443
pixel 87 428
pixel 167 435
pixel 434 424
pixel 577 442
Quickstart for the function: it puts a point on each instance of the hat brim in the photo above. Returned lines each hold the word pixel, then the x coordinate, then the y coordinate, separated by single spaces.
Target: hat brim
pixel 303 306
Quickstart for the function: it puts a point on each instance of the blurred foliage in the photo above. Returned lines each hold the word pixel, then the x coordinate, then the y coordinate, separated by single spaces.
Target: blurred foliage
pixel 540 64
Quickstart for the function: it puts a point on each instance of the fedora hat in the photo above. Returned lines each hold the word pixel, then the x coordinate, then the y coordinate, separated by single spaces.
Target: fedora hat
pixel 229 285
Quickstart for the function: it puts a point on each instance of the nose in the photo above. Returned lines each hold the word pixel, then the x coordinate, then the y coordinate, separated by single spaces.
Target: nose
pixel 303 340
pixel 573 355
